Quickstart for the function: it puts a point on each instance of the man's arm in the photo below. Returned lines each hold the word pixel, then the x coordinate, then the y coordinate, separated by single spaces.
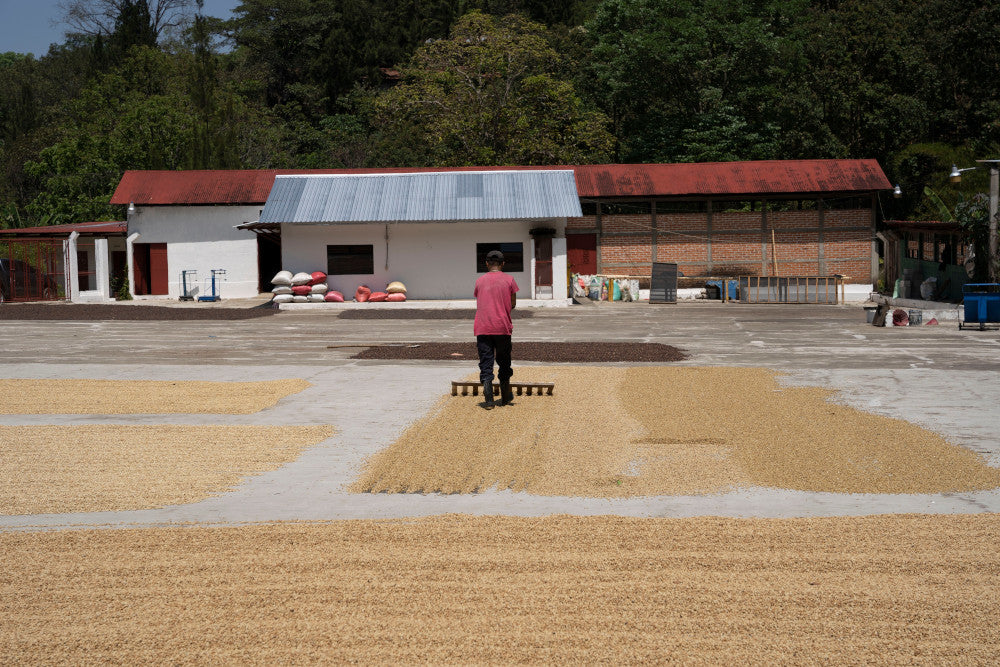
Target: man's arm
pixel 513 300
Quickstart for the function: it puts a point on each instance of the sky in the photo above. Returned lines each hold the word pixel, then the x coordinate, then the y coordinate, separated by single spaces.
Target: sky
pixel 26 26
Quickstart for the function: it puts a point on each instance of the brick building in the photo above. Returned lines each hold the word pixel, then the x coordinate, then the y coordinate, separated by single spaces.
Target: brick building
pixel 786 218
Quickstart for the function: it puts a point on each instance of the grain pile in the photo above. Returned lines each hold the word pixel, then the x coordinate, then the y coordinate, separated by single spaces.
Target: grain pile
pixel 48 469
pixel 581 352
pixel 463 590
pixel 640 431
pixel 121 397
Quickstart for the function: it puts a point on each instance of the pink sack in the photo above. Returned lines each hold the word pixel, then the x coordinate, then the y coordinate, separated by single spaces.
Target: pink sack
pixel 396 297
pixel 334 296
pixel 378 296
pixel 362 293
pixel 301 290
pixel 317 278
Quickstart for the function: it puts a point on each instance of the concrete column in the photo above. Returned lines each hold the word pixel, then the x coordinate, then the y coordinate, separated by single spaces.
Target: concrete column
pixel 531 272
pixel 72 267
pixel 102 263
pixel 129 261
pixel 560 286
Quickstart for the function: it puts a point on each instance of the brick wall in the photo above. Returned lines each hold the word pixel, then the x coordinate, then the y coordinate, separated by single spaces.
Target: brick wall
pixel 737 242
pixel 586 222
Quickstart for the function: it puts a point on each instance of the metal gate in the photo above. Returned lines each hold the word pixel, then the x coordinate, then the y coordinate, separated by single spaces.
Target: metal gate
pixel 32 270
pixel 791 289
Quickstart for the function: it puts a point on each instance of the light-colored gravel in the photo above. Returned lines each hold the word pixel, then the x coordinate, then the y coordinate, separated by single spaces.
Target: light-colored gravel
pixel 641 431
pixel 121 397
pixel 92 468
pixel 489 590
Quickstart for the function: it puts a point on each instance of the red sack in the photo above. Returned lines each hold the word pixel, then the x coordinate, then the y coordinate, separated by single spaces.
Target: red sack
pixel 317 278
pixel 378 296
pixel 396 297
pixel 301 290
pixel 362 293
pixel 334 296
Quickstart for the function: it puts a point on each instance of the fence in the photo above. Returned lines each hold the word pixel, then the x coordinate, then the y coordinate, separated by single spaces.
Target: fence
pixel 791 289
pixel 32 270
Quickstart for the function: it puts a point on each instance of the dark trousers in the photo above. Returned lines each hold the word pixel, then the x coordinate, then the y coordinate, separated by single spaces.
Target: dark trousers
pixel 494 348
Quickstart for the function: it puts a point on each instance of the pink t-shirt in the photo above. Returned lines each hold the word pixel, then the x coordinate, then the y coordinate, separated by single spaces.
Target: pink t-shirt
pixel 493 292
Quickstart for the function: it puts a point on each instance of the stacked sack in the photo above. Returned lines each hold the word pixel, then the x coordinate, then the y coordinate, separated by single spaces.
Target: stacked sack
pixel 302 287
pixel 282 287
pixel 312 287
pixel 394 291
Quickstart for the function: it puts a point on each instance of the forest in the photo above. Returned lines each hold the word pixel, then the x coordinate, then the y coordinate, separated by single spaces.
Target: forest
pixel 156 84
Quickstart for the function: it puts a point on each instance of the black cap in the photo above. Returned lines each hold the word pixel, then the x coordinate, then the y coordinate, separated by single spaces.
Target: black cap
pixel 494 256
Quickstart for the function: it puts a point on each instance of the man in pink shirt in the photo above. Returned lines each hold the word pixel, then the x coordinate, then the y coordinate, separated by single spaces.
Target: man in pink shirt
pixel 496 296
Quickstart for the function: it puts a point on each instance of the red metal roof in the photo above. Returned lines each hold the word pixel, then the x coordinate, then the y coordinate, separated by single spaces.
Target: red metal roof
pixel 773 177
pixel 66 230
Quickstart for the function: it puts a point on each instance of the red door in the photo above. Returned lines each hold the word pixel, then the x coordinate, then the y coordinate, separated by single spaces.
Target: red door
pixel 150 268
pixel 581 253
pixel 158 268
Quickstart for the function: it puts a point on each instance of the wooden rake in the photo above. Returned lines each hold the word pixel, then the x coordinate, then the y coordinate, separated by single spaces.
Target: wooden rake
pixel 521 388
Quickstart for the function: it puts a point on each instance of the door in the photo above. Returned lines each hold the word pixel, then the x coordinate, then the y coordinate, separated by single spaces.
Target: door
pixel 543 266
pixel 581 253
pixel 150 268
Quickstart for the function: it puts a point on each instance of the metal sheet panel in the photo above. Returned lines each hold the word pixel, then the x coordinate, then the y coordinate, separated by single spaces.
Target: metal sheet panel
pixel 423 197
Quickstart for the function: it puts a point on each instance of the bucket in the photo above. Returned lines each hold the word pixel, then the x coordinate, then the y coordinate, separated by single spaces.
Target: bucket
pixel 869 315
pixel 915 317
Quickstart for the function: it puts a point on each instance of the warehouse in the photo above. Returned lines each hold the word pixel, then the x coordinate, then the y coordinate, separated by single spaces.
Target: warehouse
pixel 788 218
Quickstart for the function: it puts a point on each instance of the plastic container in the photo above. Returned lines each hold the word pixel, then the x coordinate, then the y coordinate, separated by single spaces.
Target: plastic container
pixel 916 317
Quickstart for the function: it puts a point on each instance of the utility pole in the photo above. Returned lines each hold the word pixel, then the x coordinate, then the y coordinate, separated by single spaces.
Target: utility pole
pixel 994 167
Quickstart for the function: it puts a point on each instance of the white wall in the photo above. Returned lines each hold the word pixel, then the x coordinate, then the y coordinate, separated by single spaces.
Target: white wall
pixel 203 238
pixel 433 260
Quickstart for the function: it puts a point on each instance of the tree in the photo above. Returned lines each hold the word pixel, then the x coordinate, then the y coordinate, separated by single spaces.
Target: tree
pixel 686 79
pixel 101 17
pixel 142 115
pixel 487 96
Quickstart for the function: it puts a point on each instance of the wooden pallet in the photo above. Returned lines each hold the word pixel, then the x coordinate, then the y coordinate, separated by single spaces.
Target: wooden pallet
pixel 517 387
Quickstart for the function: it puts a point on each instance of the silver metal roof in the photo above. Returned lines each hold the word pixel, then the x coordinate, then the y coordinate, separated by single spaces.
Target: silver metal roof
pixel 423 197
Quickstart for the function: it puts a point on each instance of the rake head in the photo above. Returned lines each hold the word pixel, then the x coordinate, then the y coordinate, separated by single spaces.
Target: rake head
pixel 520 388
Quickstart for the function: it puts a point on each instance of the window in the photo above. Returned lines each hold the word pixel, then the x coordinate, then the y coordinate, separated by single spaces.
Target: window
pixel 791 205
pixel 847 203
pixel 513 256
pixel 668 207
pixel 721 206
pixel 631 208
pixel 343 260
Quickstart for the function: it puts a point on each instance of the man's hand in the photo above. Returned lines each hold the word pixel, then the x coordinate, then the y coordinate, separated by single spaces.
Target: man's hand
pixel 513 301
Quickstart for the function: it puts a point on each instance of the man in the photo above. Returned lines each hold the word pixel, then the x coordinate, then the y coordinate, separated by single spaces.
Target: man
pixel 496 296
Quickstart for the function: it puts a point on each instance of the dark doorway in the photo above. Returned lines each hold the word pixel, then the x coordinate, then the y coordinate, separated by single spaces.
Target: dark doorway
pixel 268 259
pixel 581 253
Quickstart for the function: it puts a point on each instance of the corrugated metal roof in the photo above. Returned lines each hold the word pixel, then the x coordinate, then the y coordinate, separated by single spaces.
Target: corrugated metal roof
pixel 66 230
pixel 718 179
pixel 423 197
pixel 772 177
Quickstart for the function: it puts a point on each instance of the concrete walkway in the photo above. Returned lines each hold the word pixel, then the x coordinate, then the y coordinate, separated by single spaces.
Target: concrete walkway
pixel 939 377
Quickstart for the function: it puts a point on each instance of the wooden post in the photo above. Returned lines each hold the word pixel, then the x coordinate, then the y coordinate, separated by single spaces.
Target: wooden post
pixel 774 255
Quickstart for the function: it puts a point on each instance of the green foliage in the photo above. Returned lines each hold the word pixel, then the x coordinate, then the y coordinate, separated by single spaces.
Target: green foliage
pixel 691 79
pixel 487 95
pixel 973 216
pixel 311 83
